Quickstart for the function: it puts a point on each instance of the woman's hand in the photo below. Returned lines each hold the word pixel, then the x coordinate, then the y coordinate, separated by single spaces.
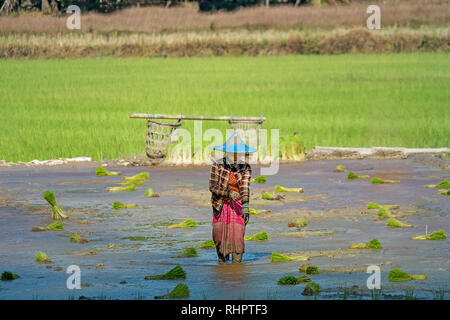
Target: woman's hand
pixel 235 196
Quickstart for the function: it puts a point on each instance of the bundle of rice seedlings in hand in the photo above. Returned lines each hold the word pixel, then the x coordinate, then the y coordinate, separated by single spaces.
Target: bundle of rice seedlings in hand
pixel 339 168
pixel 186 224
pixel 394 223
pixel 114 189
pixel 444 192
pixel 119 205
pixel 208 244
pixel 351 175
pixel 173 274
pixel 437 235
pixel 188 252
pixel 284 189
pixel 102 172
pixel 179 292
pixel 262 236
pixel 150 194
pixel 381 181
pixel 42 257
pixel 260 179
pixel 9 276
pixel 443 184
pixel 308 269
pixel 372 244
pixel 57 213
pixel 396 275
pixel 278 257
pixel 139 176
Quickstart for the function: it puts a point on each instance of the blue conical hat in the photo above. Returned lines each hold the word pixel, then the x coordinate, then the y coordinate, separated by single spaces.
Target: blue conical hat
pixel 234 144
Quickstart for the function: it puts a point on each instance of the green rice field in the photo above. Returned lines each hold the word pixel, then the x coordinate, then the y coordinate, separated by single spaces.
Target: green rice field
pixel 65 108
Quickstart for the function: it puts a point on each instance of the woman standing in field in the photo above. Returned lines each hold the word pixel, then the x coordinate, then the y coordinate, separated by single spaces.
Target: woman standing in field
pixel 229 184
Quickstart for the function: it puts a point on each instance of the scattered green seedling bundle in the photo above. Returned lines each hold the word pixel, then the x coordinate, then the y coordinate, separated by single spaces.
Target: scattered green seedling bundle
pixel 188 252
pixel 179 292
pixel 278 257
pixel 291 280
pixel 127 188
pixel 76 238
pixel 42 257
pixel 119 205
pixel 339 168
pixel 260 179
pixel 269 196
pixel 372 244
pixel 351 176
pixel 173 274
pixel 208 244
pixel 55 226
pixel 437 235
pixel 381 181
pixel 311 289
pixel 394 223
pixel 396 275
pixel 186 224
pixel 9 276
pixel 284 189
pixel 57 213
pixel 262 236
pixel 309 269
pixel 102 172
pixel 443 184
pixel 151 194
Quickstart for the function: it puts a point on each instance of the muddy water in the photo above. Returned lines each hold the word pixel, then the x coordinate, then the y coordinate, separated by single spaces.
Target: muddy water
pixel 333 205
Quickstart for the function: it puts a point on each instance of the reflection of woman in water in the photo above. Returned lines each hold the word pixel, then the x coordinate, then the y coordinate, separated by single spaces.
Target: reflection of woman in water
pixel 229 184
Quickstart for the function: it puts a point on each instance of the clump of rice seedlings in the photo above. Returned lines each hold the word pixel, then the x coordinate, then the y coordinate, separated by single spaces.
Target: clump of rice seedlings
pixel 278 257
pixel 188 252
pixel 76 238
pixel 396 275
pixel 262 236
pixel 339 168
pixel 151 194
pixel 127 188
pixel 292 147
pixel 56 226
pixel 443 184
pixel 139 176
pixel 372 244
pixel 260 179
pixel 444 192
pixel 301 223
pixel 381 181
pixel 284 189
pixel 208 244
pixel 267 196
pixel 9 276
pixel 186 224
pixel 437 235
pixel 309 269
pixel 102 172
pixel 394 223
pixel 311 289
pixel 254 211
pixel 179 292
pixel 136 182
pixel 384 213
pixel 287 281
pixel 373 205
pixel 57 212
pixel 173 274
pixel 119 205
pixel 42 257
pixel 351 175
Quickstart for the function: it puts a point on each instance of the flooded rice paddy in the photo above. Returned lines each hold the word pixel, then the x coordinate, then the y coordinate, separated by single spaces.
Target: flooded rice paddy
pixel 127 245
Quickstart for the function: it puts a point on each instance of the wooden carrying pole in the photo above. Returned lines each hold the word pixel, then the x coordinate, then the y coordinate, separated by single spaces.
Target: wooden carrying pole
pixel 186 117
